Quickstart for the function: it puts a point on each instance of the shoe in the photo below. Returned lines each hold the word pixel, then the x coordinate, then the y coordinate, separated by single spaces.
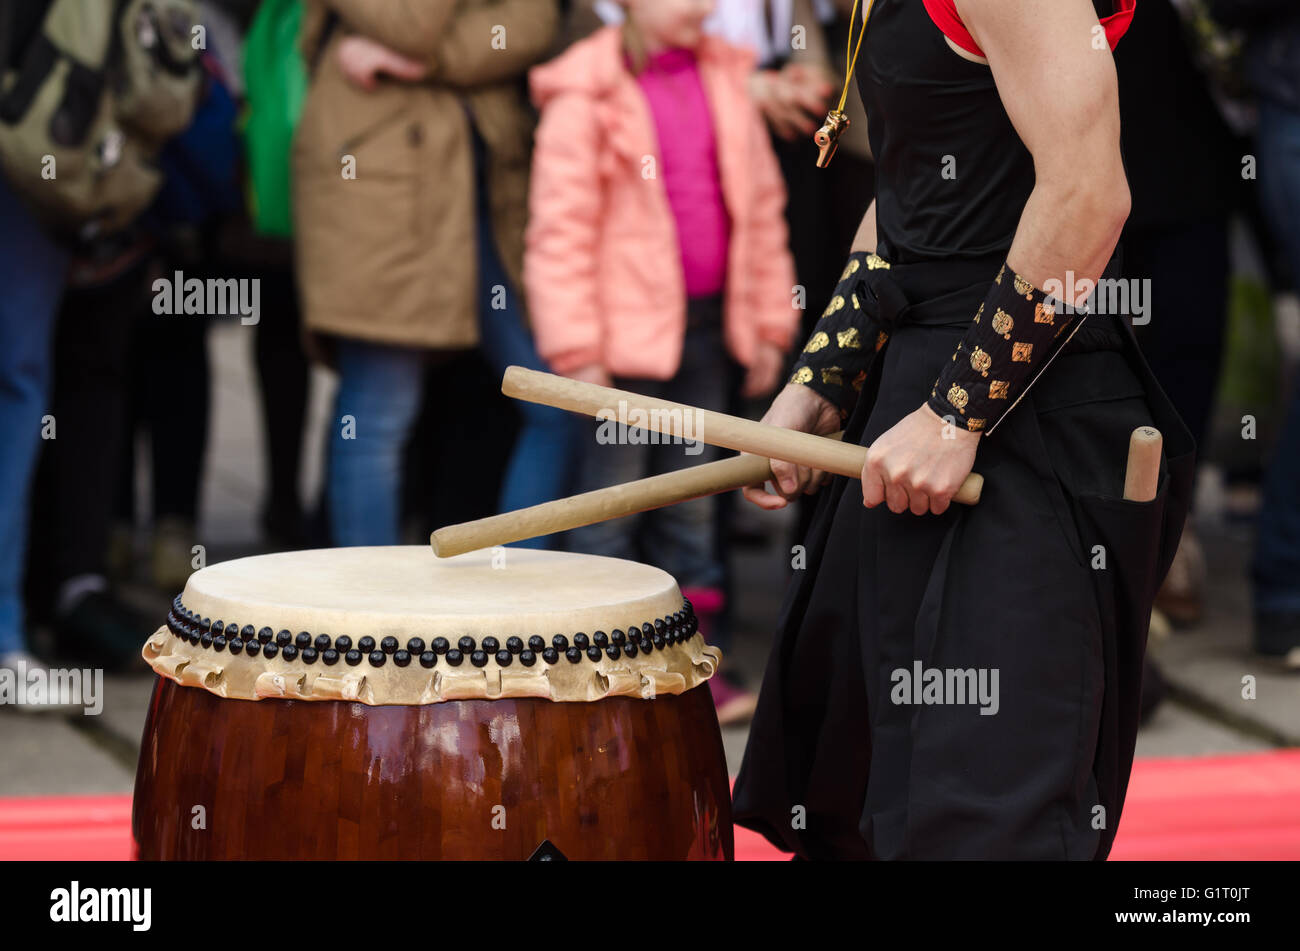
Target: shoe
pixel 1182 597
pixel 101 631
pixel 27 669
pixel 1277 634
pixel 173 541
pixel 734 704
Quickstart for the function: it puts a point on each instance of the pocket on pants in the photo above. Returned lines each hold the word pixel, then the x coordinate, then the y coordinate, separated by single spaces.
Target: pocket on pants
pixel 1126 540
pixel 1122 538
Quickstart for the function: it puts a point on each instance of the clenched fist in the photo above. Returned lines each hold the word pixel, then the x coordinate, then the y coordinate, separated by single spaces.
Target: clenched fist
pixel 918 464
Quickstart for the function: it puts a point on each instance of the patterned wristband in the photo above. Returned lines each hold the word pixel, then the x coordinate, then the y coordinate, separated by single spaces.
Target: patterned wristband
pixel 834 362
pixel 998 357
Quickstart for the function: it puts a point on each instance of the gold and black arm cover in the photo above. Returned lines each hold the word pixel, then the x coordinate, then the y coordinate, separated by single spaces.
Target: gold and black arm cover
pixel 1012 337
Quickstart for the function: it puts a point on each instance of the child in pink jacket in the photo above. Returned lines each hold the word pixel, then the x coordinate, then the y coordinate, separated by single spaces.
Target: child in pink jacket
pixel 656 257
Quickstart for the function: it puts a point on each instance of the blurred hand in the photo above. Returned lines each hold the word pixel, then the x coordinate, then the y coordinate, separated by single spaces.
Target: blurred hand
pixel 773 99
pixel 810 88
pixel 592 373
pixel 793 101
pixel 364 60
pixel 765 372
pixel 918 464
pixel 799 408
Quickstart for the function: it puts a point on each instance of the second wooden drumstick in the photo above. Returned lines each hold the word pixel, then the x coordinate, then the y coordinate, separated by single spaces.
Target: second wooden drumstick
pixel 689 422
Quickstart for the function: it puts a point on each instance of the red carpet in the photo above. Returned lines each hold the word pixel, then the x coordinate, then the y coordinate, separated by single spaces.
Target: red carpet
pixel 1214 807
pixel 70 828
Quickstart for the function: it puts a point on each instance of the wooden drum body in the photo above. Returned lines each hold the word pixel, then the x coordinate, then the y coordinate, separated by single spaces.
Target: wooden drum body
pixel 569 750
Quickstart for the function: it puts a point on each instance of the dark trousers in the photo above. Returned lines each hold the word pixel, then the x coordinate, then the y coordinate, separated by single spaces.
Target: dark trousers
pixel 283 375
pixel 78 484
pixel 168 383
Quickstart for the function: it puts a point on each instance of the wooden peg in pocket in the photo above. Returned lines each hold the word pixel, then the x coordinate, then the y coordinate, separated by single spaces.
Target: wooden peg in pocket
pixel 1142 477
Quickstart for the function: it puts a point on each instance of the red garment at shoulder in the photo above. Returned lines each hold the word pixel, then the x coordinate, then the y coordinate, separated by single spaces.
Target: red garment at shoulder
pixel 944 15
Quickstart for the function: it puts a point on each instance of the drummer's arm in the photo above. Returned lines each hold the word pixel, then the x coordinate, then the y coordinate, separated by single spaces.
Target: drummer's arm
pixel 1061 94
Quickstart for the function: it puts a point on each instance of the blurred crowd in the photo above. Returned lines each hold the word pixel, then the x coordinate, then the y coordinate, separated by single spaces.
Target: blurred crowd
pixel 419 195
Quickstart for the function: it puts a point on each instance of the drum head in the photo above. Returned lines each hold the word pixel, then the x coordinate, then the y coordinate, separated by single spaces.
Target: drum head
pixel 400 625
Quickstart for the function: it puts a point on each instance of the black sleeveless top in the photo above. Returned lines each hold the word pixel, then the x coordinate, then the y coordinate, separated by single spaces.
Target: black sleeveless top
pixel 952 176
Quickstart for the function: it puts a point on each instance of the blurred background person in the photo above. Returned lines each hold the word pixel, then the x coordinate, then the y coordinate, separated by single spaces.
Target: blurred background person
pixel 32 268
pixel 1272 58
pixel 200 192
pixel 110 385
pixel 1180 213
pixel 414 128
pixel 657 261
pixel 107 294
pixel 105 176
pixel 260 244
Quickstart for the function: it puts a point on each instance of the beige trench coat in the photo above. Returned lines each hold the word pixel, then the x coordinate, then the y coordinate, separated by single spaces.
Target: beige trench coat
pixel 391 255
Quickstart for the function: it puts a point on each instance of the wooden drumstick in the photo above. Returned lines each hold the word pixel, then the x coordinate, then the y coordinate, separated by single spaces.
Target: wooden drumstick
pixel 601 505
pixel 1142 476
pixel 689 422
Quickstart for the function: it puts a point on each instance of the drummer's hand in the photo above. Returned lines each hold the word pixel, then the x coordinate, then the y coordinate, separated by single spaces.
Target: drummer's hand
pixel 918 464
pixel 592 373
pixel 799 408
pixel 765 372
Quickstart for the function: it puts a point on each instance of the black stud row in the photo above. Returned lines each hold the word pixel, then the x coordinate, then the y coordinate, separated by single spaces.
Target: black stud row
pixel 228 635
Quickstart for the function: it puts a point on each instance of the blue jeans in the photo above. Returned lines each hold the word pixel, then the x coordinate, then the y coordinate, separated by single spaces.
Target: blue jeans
pixel 32 270
pixel 542 463
pixel 1276 568
pixel 378 399
pixel 544 458
pixel 679 538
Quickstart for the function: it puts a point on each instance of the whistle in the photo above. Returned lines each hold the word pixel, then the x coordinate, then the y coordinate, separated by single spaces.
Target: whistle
pixel 828 136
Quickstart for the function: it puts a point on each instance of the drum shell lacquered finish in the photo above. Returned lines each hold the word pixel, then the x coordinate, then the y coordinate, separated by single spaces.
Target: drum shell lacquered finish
pixel 619 778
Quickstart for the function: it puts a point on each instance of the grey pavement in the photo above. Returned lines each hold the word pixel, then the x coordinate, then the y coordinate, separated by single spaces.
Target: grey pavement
pixel 1206 713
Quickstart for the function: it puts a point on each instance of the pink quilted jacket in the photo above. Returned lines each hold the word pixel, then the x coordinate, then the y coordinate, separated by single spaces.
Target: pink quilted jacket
pixel 602 268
